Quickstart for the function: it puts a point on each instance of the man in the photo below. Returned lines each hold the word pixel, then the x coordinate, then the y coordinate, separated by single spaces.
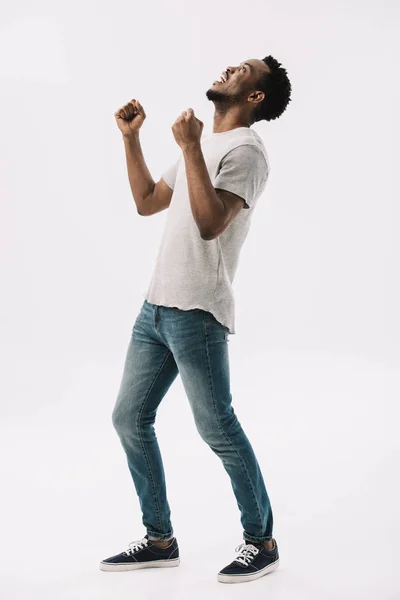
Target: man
pixel 189 311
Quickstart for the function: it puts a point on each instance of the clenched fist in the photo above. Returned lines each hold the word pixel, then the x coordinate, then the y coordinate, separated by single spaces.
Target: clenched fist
pixel 187 129
pixel 130 117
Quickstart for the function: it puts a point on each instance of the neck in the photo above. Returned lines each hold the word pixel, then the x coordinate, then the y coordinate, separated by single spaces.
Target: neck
pixel 221 127
pixel 227 121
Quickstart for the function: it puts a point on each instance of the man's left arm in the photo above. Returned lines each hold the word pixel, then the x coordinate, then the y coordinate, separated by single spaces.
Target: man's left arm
pixel 207 207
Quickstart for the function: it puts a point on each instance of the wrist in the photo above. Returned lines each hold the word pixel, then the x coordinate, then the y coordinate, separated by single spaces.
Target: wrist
pixel 191 147
pixel 133 135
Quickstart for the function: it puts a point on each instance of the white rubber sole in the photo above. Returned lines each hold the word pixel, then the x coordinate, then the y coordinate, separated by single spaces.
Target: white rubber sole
pixel 173 562
pixel 224 578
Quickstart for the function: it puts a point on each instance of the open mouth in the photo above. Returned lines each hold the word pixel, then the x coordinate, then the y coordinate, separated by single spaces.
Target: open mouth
pixel 221 80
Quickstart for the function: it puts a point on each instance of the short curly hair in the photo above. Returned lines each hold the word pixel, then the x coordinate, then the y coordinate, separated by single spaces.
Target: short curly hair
pixel 277 89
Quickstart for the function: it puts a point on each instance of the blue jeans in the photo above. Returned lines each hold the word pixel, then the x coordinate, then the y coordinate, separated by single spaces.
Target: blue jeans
pixel 165 341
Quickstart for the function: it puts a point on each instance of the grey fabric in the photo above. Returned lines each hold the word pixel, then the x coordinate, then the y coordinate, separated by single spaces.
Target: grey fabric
pixel 243 172
pixel 194 273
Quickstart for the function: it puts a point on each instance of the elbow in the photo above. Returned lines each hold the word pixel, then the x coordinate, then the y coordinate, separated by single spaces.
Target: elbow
pixel 205 231
pixel 141 211
pixel 207 236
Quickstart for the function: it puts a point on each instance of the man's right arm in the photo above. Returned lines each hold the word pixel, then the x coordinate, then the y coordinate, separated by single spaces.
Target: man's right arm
pixel 140 180
pixel 150 198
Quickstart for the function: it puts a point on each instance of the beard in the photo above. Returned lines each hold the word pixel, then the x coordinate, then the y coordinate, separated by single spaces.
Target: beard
pixel 223 101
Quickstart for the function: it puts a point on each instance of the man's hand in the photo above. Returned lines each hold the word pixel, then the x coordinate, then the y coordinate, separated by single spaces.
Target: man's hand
pixel 187 129
pixel 130 117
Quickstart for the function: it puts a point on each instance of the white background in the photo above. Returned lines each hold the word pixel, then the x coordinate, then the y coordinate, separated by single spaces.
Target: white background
pixel 315 360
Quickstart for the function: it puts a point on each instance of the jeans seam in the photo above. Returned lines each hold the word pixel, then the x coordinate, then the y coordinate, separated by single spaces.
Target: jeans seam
pixel 222 430
pixel 141 439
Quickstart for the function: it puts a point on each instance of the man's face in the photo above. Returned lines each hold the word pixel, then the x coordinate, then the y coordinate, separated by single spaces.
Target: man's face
pixel 239 82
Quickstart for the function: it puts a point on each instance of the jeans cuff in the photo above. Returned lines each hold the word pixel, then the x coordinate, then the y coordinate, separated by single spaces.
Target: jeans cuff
pixel 259 540
pixel 160 538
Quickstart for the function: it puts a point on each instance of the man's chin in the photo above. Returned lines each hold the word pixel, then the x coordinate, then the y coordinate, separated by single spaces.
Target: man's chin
pixel 213 94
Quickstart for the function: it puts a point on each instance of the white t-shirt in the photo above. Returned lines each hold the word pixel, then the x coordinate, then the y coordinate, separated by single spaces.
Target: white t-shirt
pixel 194 273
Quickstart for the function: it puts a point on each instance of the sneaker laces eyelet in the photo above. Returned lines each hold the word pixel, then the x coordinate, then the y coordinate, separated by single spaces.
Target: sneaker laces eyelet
pixel 246 553
pixel 134 546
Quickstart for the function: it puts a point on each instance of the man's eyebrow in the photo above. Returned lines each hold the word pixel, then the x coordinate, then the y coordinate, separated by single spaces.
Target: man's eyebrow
pixel 251 66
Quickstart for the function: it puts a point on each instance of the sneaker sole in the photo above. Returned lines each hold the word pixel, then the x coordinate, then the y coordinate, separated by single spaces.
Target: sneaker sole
pixel 171 562
pixel 225 578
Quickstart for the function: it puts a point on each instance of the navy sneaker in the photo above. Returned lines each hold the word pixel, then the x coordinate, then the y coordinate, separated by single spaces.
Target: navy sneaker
pixel 142 554
pixel 252 562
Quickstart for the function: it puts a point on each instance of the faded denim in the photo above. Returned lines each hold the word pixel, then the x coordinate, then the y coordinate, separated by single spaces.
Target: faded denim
pixel 165 341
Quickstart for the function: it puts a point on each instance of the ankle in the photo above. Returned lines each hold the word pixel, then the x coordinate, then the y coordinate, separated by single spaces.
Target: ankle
pixel 162 543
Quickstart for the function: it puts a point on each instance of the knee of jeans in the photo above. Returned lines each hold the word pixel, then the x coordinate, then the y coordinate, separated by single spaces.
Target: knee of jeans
pixel 115 418
pixel 207 434
pixel 118 418
pixel 128 420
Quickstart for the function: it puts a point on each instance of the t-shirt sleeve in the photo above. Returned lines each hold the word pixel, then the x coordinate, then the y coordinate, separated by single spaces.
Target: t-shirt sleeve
pixel 244 172
pixel 169 175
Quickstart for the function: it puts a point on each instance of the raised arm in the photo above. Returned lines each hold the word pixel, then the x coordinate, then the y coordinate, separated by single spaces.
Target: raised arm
pixel 130 118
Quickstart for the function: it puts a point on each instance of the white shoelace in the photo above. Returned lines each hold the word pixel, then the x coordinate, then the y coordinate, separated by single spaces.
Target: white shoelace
pixel 134 546
pixel 246 553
